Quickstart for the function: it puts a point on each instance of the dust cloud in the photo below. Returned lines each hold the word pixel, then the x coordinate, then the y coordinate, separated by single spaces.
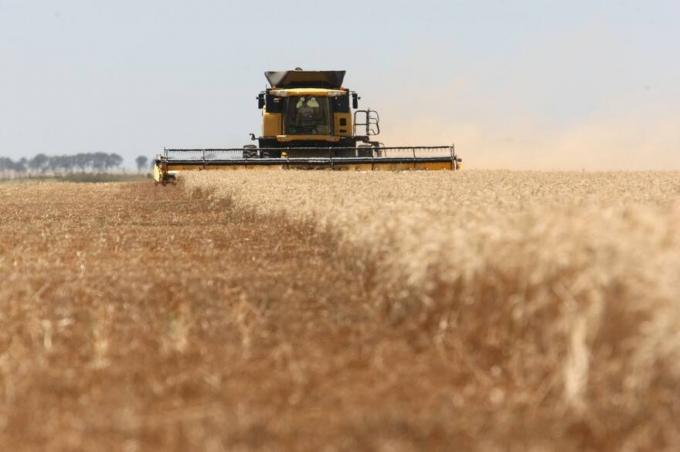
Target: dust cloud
pixel 623 143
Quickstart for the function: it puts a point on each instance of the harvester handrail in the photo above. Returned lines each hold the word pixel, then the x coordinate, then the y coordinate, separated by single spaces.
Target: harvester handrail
pixel 302 148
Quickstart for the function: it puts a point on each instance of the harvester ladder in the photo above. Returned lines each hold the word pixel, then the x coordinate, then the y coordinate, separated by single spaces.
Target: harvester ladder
pixel 369 120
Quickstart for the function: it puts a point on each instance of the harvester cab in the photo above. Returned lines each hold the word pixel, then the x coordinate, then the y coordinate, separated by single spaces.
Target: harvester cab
pixel 311 109
pixel 310 121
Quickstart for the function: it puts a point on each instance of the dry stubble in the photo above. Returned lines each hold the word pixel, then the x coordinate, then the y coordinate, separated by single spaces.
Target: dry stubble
pixel 136 317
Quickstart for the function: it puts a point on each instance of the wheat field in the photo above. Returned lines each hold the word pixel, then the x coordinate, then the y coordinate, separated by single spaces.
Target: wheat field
pixel 557 293
pixel 477 310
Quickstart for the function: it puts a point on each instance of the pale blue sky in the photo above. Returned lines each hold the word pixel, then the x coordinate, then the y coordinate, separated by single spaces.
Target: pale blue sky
pixel 507 81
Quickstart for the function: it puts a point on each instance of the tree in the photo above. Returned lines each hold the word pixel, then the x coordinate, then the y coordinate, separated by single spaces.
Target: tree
pixel 12 168
pixel 6 165
pixel 21 165
pixel 99 161
pixel 61 164
pixel 82 161
pixel 141 161
pixel 39 163
pixel 113 161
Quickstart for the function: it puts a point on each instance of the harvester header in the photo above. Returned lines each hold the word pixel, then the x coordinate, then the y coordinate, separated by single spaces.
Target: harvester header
pixel 310 121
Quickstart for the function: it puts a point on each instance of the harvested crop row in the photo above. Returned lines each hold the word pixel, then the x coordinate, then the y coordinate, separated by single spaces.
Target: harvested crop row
pixel 134 317
pixel 559 290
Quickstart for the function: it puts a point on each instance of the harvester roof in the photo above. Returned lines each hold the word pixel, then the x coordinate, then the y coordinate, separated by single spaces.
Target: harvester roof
pixel 305 79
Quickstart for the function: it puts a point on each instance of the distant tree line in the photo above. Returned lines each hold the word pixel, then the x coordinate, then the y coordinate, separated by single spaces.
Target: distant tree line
pixel 87 162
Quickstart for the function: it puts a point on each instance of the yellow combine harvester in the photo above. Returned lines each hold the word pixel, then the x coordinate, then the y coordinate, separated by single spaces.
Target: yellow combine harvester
pixel 309 121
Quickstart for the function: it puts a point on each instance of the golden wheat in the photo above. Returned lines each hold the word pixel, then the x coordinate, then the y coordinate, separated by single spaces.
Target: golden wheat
pixel 559 289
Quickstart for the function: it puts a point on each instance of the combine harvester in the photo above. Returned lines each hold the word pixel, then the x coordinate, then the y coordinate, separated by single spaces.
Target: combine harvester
pixel 307 123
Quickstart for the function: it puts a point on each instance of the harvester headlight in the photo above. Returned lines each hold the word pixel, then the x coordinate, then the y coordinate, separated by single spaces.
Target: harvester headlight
pixel 335 93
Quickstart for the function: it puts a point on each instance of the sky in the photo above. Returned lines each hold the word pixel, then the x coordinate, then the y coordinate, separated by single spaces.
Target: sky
pixel 526 84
